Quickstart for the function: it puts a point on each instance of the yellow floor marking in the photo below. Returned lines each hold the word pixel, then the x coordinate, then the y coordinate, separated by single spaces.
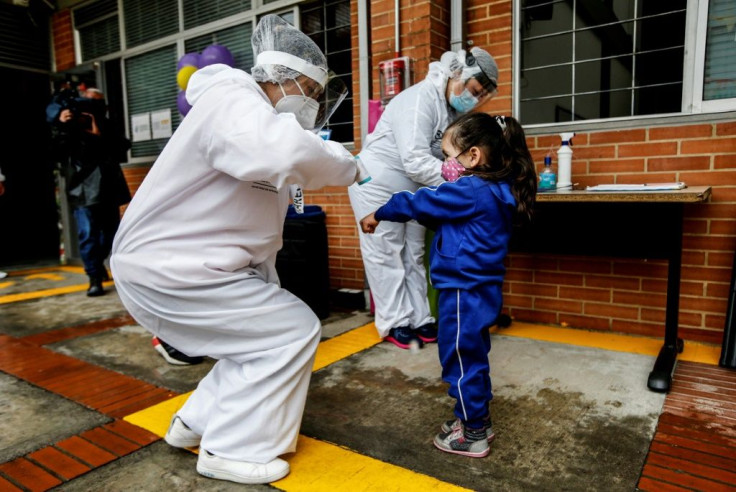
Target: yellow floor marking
pixel 6 284
pixel 342 469
pixel 346 344
pixel 318 465
pixel 322 466
pixel 57 268
pixel 37 294
pixel 44 276
pixel 693 352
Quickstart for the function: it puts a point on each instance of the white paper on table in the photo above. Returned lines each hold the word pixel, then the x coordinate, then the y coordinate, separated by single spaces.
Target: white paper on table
pixel 678 185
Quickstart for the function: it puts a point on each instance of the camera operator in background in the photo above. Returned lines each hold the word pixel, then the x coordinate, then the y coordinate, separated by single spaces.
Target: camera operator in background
pixel 88 150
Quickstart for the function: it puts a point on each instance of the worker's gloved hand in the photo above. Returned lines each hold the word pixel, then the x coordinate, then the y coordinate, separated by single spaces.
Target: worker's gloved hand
pixel 451 170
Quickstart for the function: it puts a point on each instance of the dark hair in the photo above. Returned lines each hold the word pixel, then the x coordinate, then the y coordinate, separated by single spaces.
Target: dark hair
pixel 503 141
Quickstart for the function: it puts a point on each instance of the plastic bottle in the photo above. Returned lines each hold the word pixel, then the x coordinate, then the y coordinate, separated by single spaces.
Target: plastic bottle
pixel 547 178
pixel 564 161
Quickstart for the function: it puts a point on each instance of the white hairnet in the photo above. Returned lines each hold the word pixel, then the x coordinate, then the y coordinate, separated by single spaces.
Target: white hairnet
pixel 478 63
pixel 283 52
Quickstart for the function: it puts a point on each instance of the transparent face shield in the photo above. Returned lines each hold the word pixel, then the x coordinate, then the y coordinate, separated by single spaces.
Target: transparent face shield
pixel 311 104
pixel 329 99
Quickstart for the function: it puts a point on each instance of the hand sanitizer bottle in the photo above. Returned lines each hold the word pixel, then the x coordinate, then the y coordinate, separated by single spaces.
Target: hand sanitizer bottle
pixel 547 179
pixel 564 162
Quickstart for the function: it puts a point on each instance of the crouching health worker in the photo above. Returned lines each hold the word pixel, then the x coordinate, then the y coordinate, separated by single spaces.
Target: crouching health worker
pixel 403 153
pixel 473 218
pixel 194 258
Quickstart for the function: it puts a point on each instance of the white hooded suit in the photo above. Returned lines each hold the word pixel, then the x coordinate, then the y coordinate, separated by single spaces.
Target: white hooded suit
pixel 194 260
pixel 403 153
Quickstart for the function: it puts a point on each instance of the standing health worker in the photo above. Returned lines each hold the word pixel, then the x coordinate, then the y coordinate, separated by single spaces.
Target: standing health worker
pixel 194 259
pixel 404 153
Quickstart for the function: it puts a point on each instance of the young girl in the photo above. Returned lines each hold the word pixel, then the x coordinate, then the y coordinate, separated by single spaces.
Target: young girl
pixel 473 219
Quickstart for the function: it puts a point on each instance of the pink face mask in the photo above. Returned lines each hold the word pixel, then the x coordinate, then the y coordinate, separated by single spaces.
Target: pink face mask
pixel 451 169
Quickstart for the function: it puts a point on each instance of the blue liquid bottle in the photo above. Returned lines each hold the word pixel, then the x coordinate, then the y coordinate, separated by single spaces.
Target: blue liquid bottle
pixel 547 178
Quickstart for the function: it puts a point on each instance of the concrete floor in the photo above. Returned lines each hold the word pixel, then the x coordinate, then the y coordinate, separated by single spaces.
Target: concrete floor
pixel 566 417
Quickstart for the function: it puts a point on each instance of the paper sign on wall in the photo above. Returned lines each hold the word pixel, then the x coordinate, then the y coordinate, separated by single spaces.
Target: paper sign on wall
pixel 140 125
pixel 161 123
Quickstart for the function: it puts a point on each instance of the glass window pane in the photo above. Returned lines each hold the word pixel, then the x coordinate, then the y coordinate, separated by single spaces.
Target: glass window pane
pixel 100 38
pixel 605 41
pixel 198 13
pixel 236 39
pixel 150 82
pixel 146 20
pixel 603 105
pixel 547 81
pixel 720 51
pixel 659 99
pixel 547 51
pixel 553 110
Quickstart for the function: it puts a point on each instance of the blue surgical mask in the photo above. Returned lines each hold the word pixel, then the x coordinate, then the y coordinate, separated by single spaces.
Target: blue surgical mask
pixel 464 102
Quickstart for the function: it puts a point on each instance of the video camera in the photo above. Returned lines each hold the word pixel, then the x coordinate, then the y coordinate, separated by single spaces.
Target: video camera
pixel 81 108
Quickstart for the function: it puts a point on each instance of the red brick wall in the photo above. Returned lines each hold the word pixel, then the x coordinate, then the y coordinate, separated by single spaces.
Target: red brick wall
pixel 622 295
pixel 626 295
pixel 63 40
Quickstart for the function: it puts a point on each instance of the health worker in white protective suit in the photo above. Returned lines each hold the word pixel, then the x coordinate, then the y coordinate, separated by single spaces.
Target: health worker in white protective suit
pixel 404 153
pixel 194 258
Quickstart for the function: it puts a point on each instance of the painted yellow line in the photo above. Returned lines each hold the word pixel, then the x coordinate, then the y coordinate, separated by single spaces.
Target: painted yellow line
pixel 693 351
pixel 57 268
pixel 318 465
pixel 37 294
pixel 342 469
pixel 322 466
pixel 344 345
pixel 6 284
pixel 44 276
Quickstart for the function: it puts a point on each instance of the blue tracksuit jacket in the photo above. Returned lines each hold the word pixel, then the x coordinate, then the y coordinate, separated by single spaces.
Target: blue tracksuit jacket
pixel 473 222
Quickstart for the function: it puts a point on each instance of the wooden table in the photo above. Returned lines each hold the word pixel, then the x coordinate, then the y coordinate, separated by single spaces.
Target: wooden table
pixel 640 224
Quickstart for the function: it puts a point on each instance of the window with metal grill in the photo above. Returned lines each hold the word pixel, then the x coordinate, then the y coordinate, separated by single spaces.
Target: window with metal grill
pixel 146 20
pixel 328 24
pixel 150 85
pixel 593 59
pixel 24 40
pixel 198 13
pixel 236 39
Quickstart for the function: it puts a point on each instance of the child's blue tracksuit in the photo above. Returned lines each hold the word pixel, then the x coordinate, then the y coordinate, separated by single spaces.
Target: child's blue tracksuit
pixel 473 221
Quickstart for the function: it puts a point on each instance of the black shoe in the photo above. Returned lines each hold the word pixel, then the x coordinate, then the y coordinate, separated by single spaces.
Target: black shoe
pixel 173 356
pixel 403 337
pixel 427 333
pixel 95 288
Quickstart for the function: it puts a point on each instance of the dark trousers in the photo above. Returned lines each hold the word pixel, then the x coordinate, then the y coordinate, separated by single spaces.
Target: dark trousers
pixel 96 228
pixel 464 342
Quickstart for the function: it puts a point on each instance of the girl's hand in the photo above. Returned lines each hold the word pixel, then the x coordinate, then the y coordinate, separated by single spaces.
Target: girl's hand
pixel 368 224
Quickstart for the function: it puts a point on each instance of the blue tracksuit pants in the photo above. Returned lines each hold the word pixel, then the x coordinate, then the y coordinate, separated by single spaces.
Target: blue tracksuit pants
pixel 464 343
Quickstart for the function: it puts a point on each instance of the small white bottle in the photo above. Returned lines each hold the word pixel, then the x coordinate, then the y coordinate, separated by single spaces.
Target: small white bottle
pixel 564 162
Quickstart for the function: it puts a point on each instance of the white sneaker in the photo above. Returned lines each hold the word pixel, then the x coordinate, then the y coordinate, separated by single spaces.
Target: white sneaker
pixel 213 466
pixel 181 436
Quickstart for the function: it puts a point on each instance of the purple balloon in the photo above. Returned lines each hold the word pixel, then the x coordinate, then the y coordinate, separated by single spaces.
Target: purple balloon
pixel 216 53
pixel 192 59
pixel 182 103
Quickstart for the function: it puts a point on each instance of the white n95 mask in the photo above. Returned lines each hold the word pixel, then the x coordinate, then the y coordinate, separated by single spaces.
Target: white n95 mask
pixel 304 108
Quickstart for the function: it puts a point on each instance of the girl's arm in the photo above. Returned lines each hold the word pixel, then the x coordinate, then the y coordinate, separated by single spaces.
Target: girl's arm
pixel 448 202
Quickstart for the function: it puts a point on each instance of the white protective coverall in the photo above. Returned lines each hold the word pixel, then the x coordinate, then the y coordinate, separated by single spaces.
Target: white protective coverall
pixel 194 261
pixel 403 153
